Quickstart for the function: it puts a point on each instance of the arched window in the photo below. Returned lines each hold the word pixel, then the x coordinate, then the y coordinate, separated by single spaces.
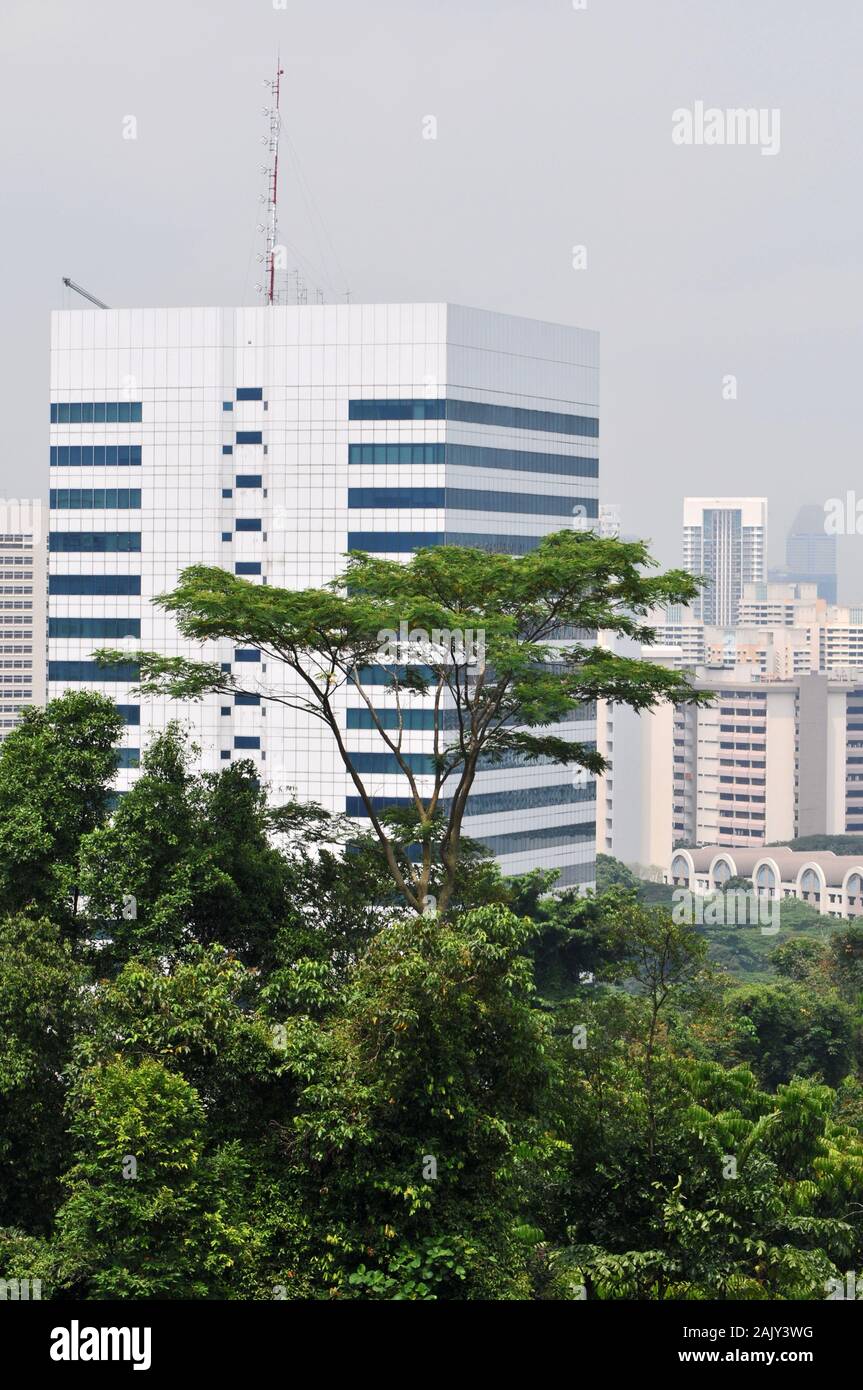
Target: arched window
pixel 721 873
pixel 765 879
pixel 810 883
pixel 680 869
pixel 854 887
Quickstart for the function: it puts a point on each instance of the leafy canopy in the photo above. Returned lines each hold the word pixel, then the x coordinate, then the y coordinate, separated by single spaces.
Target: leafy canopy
pixel 501 696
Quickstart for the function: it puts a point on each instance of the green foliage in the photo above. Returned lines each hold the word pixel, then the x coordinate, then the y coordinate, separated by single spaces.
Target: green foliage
pixel 611 873
pixel 185 858
pixel 272 1079
pixel 41 1005
pixel 56 769
pixel 784 1030
pixel 171 1226
pixel 504 707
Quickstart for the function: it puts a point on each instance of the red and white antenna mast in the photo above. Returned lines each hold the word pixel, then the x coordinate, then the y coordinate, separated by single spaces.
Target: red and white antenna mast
pixel 272 143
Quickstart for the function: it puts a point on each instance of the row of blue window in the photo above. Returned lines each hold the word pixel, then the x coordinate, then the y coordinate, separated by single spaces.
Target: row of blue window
pixel 94 627
pixel 475 413
pixel 250 393
pixel 75 498
pixel 95 455
pixel 396 453
pixel 576 873
pixel 95 412
pixel 528 841
pixel 131 714
pixel 546 837
pixel 405 719
pixel 107 585
pixel 489 803
pixel 249 480
pixel 249 437
pixel 473 456
pixel 401 542
pixel 423 763
pixel 248 523
pixel 472 500
pixel 100 541
pixel 448 719
pixel 90 671
pixel 383 675
pixel 247 567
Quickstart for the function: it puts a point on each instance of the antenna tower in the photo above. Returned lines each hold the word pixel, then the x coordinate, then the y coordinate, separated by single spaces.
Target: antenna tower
pixel 272 195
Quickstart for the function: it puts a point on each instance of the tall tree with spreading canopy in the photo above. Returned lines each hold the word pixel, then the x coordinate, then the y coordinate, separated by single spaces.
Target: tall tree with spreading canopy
pixel 500 649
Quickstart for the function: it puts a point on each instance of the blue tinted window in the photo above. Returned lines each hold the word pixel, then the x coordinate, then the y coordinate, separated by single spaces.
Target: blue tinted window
pixel 423 763
pixel 249 437
pixel 514 417
pixel 226 492
pixel 248 523
pixel 250 393
pixel 128 757
pixel 247 654
pixel 420 763
pixel 396 497
pixel 240 699
pixel 95 412
pixel 74 498
pixel 474 456
pixel 383 675
pixel 247 741
pixel 227 405
pixel 227 535
pixel 225 754
pixel 475 413
pixel 247 567
pixel 90 671
pixel 397 410
pixel 249 480
pixel 390 719
pixel 490 803
pixel 393 542
pixel 131 713
pixel 395 453
pixel 448 719
pixel 95 455
pixel 107 584
pixel 227 448
pixel 472 499
pixel 95 540
pixel 94 627
pixel 400 542
pixel 546 837
pixel 521 460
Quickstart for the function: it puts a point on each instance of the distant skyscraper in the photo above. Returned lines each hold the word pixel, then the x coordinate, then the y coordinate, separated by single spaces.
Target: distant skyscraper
pixel 724 539
pixel 810 554
pixel 23 608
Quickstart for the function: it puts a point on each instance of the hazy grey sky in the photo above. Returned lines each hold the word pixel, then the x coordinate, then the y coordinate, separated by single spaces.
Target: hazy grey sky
pixel 554 130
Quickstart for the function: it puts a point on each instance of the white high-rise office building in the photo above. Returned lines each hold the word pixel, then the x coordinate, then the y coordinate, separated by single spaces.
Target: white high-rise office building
pixel 269 441
pixel 23 607
pixel 724 539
